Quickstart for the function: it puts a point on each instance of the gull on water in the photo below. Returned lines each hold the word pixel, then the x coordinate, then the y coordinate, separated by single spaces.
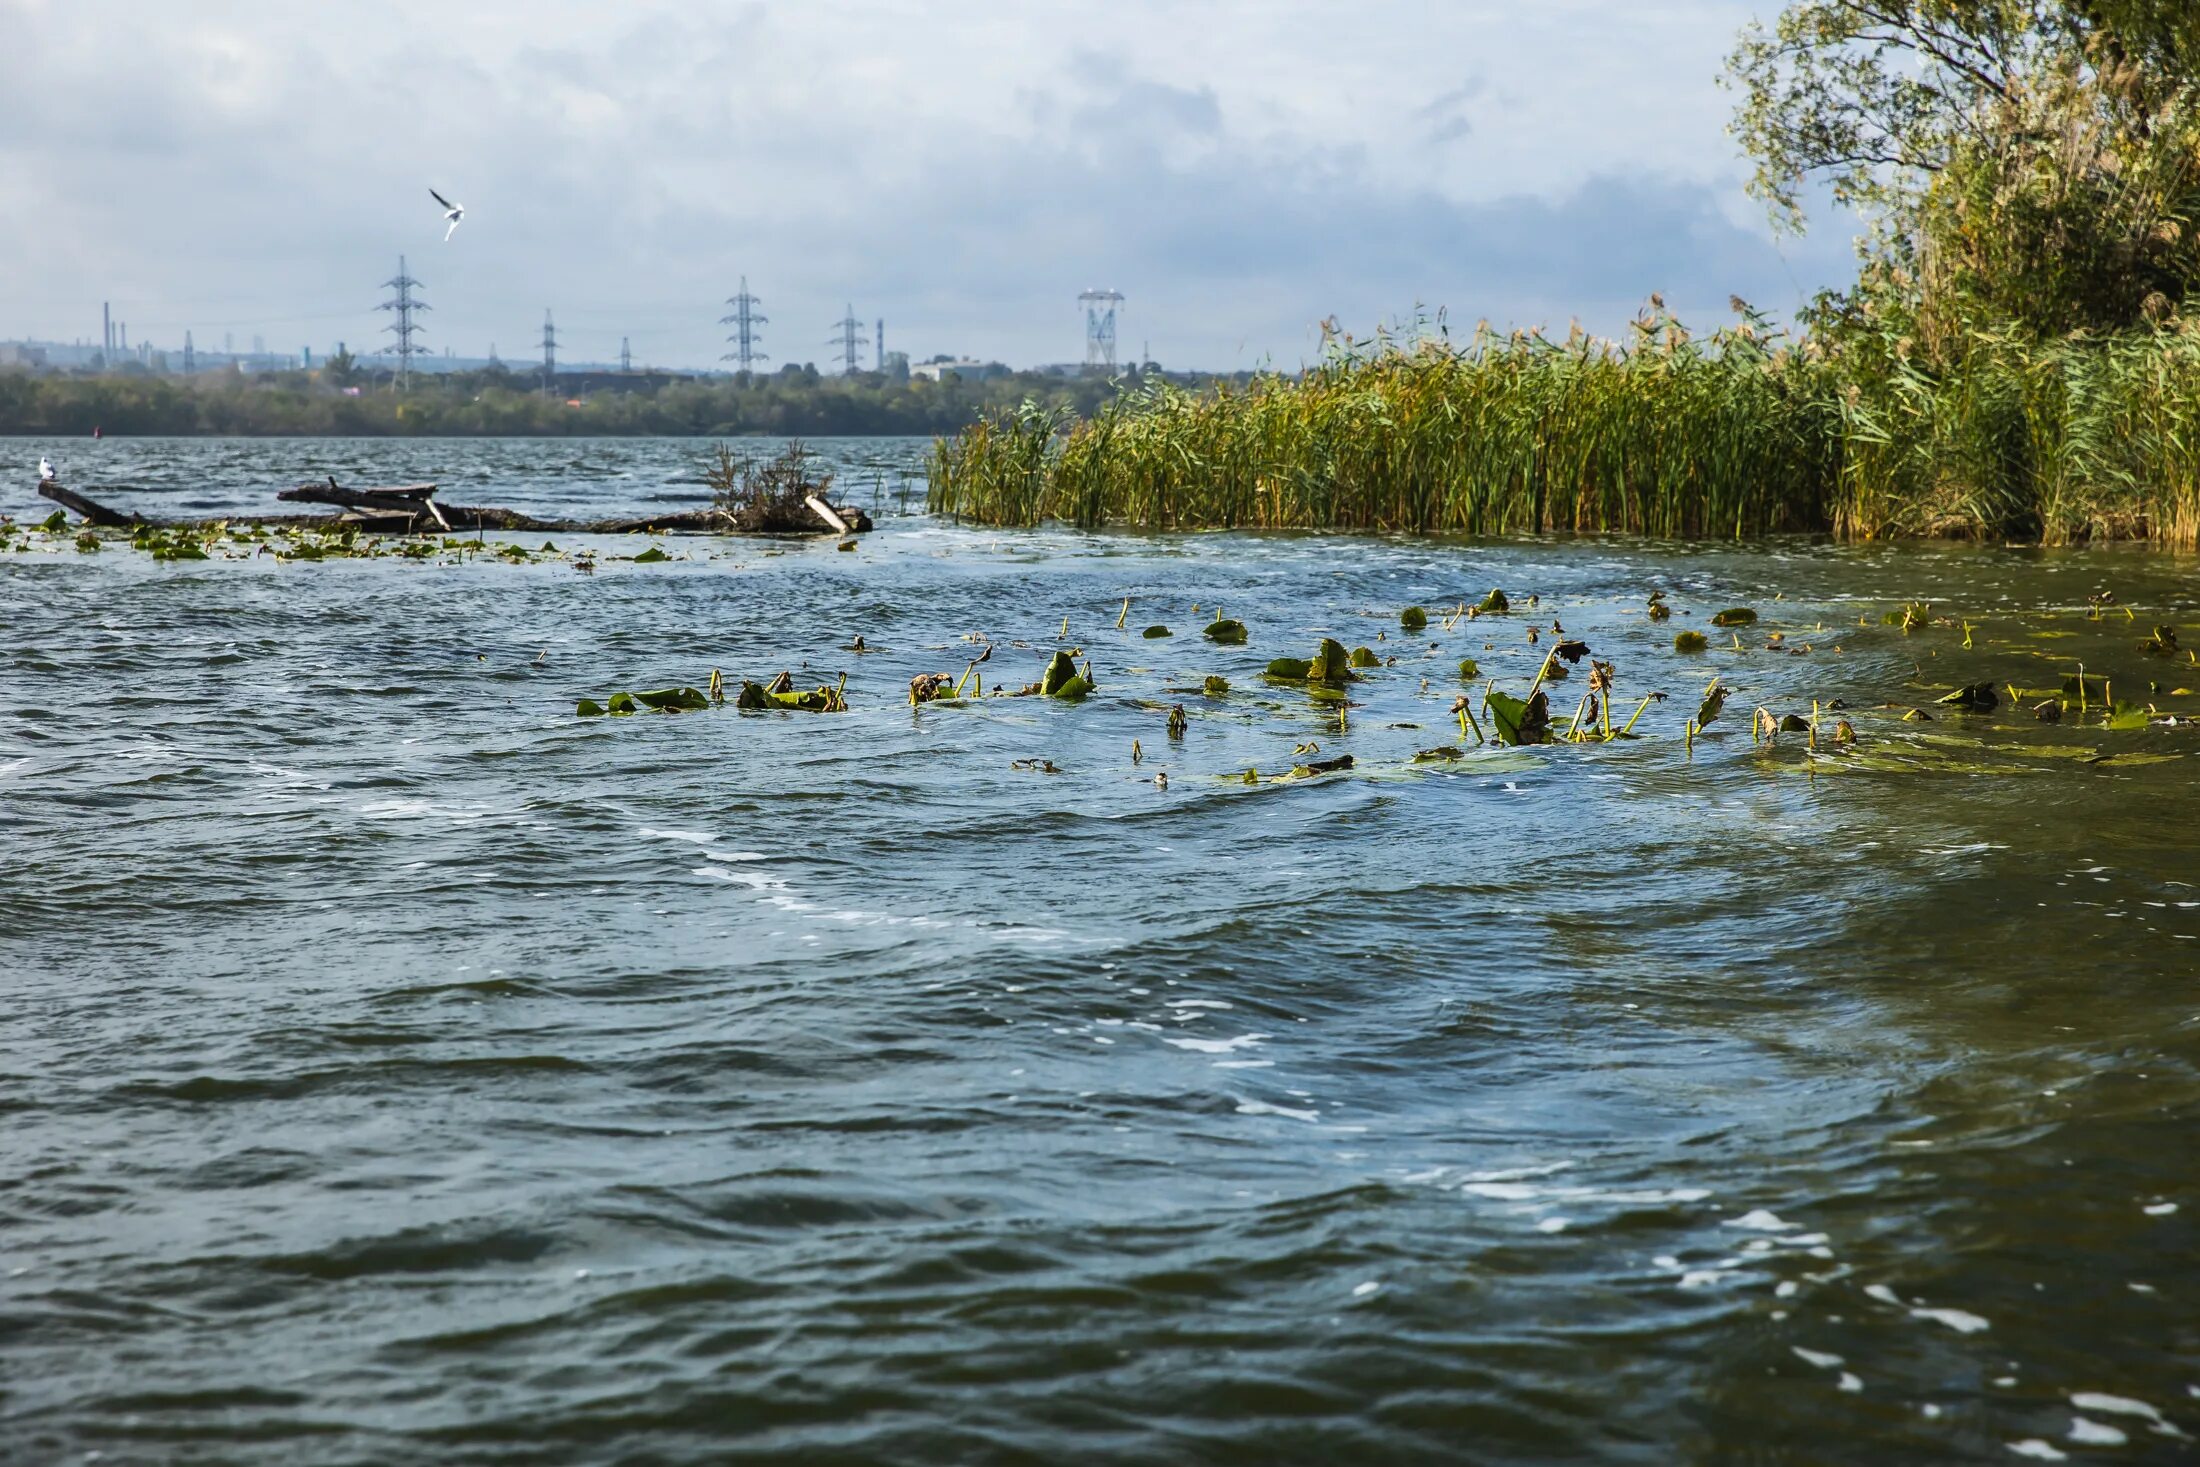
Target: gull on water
pixel 45 470
pixel 452 212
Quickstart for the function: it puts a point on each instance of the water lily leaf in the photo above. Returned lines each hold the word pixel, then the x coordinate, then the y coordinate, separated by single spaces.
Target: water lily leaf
pixel 1714 699
pixel 1520 721
pixel 1226 633
pixel 1735 616
pixel 1571 651
pixel 672 700
pixel 1291 669
pixel 1365 657
pixel 1795 723
pixel 1495 601
pixel 2125 717
pixel 756 697
pixel 1331 663
pixel 1442 754
pixel 1413 618
pixel 590 708
pixel 1974 697
pixel 2091 689
pixel 622 704
pixel 1469 669
pixel 1690 641
pixel 1061 671
pixel 55 523
pixel 651 556
pixel 2162 644
pixel 1214 687
pixel 1157 631
pixel 1311 770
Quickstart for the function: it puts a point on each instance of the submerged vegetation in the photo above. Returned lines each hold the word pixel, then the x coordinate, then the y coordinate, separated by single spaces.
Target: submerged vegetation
pixel 2019 356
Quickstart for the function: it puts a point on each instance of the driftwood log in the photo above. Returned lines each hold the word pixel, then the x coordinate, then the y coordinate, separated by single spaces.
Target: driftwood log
pixel 411 509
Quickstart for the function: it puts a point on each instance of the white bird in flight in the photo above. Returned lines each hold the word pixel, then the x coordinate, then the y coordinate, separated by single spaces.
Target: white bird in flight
pixel 45 470
pixel 452 212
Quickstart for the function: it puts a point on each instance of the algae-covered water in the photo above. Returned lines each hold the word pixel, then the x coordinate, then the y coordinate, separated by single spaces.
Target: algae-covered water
pixel 397 1067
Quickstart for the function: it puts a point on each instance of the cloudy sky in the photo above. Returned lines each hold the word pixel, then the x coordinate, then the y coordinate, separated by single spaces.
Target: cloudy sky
pixel 1239 169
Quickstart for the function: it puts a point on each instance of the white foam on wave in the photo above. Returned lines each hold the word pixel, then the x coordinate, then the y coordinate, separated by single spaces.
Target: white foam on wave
pixel 2038 1450
pixel 1215 1046
pixel 2097 1433
pixel 1823 1359
pixel 1962 1321
pixel 1761 1221
pixel 1263 1108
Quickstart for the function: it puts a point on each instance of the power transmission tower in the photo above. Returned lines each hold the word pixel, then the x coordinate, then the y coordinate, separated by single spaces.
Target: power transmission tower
pixel 744 321
pixel 850 336
pixel 1100 327
pixel 406 306
pixel 626 356
pixel 549 353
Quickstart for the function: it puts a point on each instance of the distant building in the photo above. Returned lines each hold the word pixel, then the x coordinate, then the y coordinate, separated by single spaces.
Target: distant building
pixel 16 354
pixel 964 367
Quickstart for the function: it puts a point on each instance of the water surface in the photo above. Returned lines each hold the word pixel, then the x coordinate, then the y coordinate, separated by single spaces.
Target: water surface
pixel 398 1067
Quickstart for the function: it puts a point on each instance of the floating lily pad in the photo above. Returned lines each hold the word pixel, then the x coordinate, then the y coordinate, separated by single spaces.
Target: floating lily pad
pixel 1413 618
pixel 2162 644
pixel 1520 721
pixel 1227 633
pixel 1312 770
pixel 1214 687
pixel 1156 632
pixel 651 556
pixel 1690 641
pixel 1469 669
pixel 1735 616
pixel 1974 697
pixel 1062 679
pixel 1365 657
pixel 1441 754
pixel 1331 663
pixel 1493 602
pixel 1290 669
pixel 672 700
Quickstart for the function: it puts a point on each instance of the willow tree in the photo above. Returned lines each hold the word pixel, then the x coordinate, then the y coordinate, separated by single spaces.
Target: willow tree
pixel 2023 163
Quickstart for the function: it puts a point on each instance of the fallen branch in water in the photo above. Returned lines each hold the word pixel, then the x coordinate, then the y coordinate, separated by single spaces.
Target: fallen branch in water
pixel 407 511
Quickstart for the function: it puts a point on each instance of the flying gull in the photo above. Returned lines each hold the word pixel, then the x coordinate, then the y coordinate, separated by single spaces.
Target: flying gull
pixel 452 212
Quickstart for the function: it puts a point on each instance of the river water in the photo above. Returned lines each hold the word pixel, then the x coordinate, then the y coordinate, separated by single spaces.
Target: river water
pixel 397 1067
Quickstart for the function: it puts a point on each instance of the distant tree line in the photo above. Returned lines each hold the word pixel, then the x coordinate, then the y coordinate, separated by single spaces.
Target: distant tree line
pixel 345 399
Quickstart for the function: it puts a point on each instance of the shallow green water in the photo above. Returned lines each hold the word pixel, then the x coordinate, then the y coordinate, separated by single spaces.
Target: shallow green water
pixel 398 1067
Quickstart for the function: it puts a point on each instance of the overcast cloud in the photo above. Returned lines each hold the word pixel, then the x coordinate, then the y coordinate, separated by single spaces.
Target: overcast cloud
pixel 1239 169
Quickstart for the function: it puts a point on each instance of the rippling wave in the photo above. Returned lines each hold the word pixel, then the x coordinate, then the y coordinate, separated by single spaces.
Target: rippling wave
pixel 397 1067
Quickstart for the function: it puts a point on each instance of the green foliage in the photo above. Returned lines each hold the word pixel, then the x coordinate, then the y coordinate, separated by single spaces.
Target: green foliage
pixel 2026 164
pixel 494 403
pixel 1665 435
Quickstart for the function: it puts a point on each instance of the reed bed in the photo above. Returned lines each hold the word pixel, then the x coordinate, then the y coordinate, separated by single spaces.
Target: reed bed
pixel 1732 435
